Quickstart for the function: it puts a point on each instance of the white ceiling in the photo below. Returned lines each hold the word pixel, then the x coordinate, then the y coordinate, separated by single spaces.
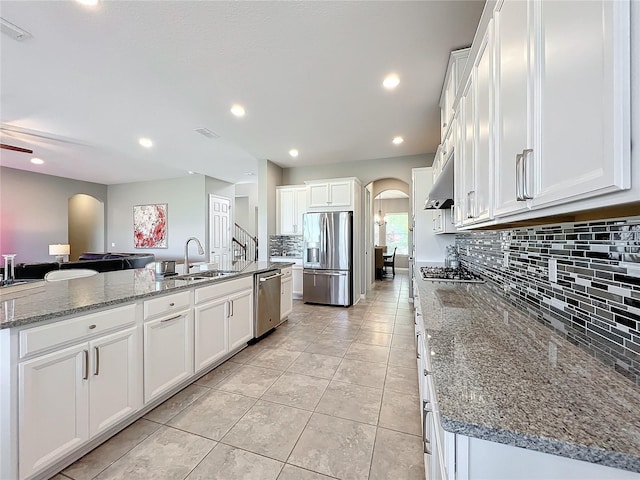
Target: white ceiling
pixel 90 82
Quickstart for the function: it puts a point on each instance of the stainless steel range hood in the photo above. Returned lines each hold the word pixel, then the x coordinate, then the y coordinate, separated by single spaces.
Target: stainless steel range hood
pixel 441 194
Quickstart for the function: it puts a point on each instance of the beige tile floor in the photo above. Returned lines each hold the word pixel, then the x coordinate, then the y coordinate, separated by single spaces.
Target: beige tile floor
pixel 332 393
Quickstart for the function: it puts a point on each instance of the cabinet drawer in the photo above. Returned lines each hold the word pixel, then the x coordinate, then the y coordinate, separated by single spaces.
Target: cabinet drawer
pixel 286 273
pixel 166 304
pixel 222 289
pixel 41 338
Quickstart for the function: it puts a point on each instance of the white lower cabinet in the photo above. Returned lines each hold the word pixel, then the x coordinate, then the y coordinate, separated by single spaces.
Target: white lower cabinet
pixel 298 277
pixel 115 389
pixel 168 353
pixel 210 333
pixel 223 320
pixel 53 408
pixel 240 319
pixel 74 393
pixel 286 292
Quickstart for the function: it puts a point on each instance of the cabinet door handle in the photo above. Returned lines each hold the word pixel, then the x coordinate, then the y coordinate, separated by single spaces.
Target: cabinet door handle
pixel 453 214
pixel 231 306
pixel 470 212
pixel 525 174
pixel 169 319
pixel 519 178
pixel 425 440
pixel 96 370
pixel 85 366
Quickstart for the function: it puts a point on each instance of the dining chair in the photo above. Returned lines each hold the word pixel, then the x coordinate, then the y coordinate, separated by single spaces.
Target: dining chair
pixel 390 261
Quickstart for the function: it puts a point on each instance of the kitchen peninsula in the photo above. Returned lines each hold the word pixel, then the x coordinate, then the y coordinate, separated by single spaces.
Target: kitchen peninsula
pixel 82 359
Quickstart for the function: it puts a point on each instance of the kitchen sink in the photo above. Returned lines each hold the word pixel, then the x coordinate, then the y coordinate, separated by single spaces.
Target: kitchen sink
pixel 206 275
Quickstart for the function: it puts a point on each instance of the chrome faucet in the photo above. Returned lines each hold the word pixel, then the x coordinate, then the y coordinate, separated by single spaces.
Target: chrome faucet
pixel 186 252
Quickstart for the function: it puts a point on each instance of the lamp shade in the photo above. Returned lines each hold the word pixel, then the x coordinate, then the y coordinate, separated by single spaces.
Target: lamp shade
pixel 59 249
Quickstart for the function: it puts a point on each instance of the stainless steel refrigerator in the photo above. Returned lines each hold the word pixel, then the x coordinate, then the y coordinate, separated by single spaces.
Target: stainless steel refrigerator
pixel 328 258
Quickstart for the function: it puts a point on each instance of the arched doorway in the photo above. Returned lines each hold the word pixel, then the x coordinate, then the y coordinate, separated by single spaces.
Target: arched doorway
pixel 389 219
pixel 85 225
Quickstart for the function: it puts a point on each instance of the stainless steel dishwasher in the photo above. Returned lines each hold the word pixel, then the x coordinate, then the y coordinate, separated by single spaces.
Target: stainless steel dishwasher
pixel 267 301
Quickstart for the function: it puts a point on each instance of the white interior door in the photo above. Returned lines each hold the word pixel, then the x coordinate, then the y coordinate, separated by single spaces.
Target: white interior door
pixel 220 230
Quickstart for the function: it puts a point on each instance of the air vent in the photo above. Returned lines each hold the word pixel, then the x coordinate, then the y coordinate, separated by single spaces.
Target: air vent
pixel 207 133
pixel 13 31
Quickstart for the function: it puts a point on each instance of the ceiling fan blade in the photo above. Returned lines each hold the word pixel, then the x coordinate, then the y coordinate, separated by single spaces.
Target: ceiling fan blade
pixel 15 149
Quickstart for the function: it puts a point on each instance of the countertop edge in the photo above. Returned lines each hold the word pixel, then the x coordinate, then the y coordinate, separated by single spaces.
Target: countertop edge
pixel 135 297
pixel 620 460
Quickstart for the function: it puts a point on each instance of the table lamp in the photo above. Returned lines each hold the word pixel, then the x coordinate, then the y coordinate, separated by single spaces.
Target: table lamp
pixel 59 250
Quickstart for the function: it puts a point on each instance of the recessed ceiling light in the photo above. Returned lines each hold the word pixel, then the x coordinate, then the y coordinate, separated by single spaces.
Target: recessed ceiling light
pixel 397 140
pixel 191 172
pixel 391 81
pixel 88 3
pixel 237 110
pixel 293 152
pixel 37 161
pixel 145 142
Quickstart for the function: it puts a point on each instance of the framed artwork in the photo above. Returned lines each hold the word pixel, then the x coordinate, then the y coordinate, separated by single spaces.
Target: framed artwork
pixel 150 226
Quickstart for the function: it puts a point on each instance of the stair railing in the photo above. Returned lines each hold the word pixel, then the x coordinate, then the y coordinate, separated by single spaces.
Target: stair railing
pixel 245 246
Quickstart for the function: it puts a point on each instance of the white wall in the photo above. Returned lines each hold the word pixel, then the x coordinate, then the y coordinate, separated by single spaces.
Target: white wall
pixel 186 200
pixel 269 177
pixel 429 247
pixel 246 206
pixel 86 225
pixel 34 212
pixel 365 170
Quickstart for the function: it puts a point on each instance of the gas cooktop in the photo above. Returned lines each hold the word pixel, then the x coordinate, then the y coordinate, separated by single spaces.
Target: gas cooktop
pixel 442 274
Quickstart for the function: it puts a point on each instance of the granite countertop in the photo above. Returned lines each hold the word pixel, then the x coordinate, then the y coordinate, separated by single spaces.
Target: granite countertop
pixel 502 376
pixel 58 299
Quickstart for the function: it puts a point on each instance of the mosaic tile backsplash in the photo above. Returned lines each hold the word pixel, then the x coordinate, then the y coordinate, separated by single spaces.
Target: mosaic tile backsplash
pixel 595 302
pixel 285 246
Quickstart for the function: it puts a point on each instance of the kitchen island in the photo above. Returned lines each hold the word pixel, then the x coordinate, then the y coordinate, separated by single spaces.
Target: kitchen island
pixel 81 359
pixel 502 388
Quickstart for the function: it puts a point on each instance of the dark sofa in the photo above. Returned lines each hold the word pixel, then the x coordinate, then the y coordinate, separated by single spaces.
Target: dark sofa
pixel 101 262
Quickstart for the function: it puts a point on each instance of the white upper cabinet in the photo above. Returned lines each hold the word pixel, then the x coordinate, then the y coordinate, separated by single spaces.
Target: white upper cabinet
pixel 482 197
pixel 514 90
pixel 581 149
pixel 551 111
pixel 291 204
pixel 465 175
pixel 331 195
pixel 455 68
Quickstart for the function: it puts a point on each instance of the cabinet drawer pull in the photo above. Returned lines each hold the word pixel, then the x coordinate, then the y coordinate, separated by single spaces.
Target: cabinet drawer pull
pixel 169 319
pixel 85 366
pixel 172 304
pixel 96 350
pixel 91 327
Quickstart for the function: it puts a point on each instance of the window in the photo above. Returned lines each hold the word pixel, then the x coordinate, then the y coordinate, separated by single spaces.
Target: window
pixel 397 232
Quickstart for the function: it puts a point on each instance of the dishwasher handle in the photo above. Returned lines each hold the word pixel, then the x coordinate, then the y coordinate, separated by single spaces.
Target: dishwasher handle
pixel 264 279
